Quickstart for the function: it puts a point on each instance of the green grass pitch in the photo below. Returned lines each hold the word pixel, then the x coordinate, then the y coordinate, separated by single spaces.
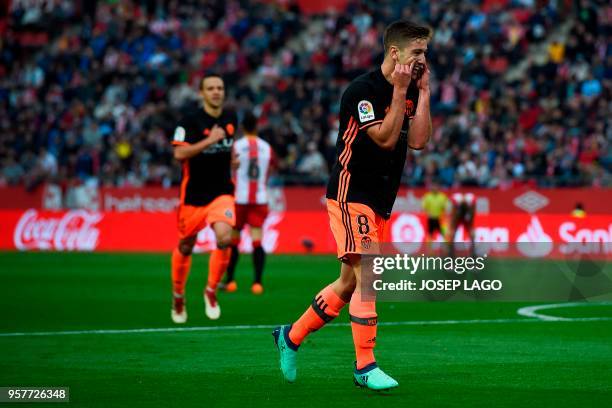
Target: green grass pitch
pixel 502 361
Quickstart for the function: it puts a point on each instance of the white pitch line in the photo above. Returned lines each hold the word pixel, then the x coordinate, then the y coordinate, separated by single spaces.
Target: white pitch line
pixel 271 326
pixel 532 311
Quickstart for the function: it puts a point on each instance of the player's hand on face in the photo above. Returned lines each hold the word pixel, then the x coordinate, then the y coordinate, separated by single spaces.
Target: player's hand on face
pixel 423 82
pixel 402 75
pixel 216 134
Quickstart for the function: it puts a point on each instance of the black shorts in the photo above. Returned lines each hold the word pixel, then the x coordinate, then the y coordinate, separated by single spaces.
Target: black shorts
pixel 464 216
pixel 433 225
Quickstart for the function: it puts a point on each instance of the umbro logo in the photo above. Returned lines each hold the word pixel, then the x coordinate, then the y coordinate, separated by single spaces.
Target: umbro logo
pixel 531 201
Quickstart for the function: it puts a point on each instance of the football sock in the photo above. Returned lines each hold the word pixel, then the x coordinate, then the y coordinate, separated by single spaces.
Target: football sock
pixel 181 264
pixel 363 324
pixel 219 259
pixel 324 308
pixel 259 258
pixel 231 267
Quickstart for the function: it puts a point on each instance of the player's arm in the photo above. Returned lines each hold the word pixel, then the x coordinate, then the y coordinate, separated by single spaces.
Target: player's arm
pixel 387 133
pixel 187 151
pixel 420 126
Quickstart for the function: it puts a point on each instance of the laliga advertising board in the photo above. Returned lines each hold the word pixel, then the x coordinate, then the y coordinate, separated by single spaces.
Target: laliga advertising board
pixel 292 232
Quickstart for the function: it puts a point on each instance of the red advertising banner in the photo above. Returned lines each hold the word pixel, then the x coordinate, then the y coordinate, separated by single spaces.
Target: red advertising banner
pixel 12 198
pixel 158 199
pixel 285 232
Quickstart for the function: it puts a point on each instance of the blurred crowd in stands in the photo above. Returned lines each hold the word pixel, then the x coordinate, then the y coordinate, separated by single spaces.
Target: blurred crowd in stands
pixel 90 91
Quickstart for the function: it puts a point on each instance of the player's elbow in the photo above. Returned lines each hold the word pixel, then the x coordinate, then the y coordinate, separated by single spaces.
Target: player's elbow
pixel 418 142
pixel 418 137
pixel 386 144
pixel 381 137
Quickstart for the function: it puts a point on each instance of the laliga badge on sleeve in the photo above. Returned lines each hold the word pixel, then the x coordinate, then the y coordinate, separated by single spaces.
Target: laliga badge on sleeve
pixel 179 134
pixel 366 111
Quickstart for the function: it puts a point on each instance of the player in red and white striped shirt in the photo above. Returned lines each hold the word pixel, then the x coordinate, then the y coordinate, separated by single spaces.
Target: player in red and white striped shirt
pixel 463 213
pixel 255 157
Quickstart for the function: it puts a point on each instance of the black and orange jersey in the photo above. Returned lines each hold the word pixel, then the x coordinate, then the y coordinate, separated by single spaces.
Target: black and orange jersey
pixel 206 175
pixel 364 172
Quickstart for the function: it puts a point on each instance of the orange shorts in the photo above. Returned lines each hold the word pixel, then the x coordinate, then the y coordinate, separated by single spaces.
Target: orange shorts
pixel 252 214
pixel 192 219
pixel 356 227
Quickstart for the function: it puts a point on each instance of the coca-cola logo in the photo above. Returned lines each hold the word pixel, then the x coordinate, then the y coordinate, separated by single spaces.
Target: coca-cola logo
pixel 70 231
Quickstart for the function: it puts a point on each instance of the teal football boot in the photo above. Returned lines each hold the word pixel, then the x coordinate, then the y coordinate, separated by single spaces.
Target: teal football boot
pixel 373 378
pixel 287 351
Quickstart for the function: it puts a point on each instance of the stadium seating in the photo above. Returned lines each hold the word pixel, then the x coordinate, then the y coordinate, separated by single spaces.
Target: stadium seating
pixel 520 93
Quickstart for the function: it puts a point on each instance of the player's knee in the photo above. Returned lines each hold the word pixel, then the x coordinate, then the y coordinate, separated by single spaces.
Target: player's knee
pixel 349 286
pixel 185 249
pixel 224 240
pixel 186 245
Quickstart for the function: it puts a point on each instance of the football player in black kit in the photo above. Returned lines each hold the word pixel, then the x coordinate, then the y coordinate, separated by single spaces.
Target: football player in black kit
pixel 203 142
pixel 383 113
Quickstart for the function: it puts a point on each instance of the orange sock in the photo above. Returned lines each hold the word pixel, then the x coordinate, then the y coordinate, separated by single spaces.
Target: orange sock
pixel 181 265
pixel 324 308
pixel 363 324
pixel 219 259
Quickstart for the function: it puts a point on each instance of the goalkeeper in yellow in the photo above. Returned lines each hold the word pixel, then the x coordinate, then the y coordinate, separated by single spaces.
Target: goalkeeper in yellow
pixel 434 204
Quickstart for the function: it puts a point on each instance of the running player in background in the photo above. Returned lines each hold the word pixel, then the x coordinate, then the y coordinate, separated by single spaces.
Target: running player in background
pixel 255 158
pixel 203 142
pixel 434 204
pixel 462 213
pixel 383 113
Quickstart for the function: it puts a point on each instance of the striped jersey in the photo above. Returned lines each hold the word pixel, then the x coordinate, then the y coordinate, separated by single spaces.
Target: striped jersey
pixel 463 198
pixel 364 172
pixel 255 156
pixel 464 205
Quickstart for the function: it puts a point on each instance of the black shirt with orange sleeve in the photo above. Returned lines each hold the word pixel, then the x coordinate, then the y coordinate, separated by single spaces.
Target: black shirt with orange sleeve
pixel 207 175
pixel 364 172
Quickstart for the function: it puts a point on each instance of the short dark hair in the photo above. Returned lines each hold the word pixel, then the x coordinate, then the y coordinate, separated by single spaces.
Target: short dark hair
pixel 403 31
pixel 249 123
pixel 209 75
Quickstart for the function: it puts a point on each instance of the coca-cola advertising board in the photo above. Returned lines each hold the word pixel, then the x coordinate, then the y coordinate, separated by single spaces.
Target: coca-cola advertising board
pixel 290 232
pixel 158 199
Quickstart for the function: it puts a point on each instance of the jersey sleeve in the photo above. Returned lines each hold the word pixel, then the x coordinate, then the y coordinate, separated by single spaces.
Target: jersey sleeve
pixel 184 133
pixel 361 103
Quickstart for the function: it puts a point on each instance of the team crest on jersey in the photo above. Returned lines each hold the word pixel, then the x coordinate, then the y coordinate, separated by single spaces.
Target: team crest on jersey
pixel 409 107
pixel 366 242
pixel 366 111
